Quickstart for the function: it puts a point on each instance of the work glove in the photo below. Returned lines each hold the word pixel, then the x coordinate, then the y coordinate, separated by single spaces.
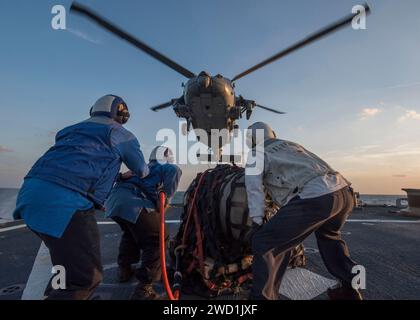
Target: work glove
pixel 127 175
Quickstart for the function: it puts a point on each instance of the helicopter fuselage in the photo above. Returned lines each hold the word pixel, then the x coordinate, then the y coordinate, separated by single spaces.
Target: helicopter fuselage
pixel 209 103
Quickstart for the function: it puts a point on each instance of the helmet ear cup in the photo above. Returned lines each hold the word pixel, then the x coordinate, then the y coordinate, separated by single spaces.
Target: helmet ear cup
pixel 122 113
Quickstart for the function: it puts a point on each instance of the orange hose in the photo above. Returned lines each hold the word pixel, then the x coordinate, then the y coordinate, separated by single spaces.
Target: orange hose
pixel 162 203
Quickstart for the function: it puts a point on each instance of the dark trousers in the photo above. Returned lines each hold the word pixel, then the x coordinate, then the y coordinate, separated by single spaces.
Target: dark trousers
pixel 141 240
pixel 78 251
pixel 272 244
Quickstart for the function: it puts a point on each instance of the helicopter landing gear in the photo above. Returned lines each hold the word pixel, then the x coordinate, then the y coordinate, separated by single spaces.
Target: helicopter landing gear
pixel 211 157
pixel 218 158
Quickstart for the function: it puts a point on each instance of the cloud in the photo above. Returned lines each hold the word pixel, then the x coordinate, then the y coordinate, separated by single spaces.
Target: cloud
pixel 376 152
pixel 399 176
pixel 399 86
pixel 5 149
pixel 83 36
pixel 369 113
pixel 410 115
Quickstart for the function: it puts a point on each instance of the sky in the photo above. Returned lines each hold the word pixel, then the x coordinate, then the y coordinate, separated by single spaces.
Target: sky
pixel 352 98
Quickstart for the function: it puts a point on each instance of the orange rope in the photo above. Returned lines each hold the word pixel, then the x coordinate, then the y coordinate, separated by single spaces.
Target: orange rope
pixel 176 294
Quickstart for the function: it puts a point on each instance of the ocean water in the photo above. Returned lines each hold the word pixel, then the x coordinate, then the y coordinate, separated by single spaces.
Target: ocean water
pixel 8 201
pixel 373 200
pixel 381 200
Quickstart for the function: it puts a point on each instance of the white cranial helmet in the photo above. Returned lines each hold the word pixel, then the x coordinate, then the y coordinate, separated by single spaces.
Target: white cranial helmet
pixel 111 106
pixel 258 133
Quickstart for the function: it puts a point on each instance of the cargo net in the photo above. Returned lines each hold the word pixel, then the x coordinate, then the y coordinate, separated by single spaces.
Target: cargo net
pixel 213 237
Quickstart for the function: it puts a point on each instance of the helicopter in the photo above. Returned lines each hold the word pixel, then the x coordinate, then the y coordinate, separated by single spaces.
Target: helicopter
pixel 209 102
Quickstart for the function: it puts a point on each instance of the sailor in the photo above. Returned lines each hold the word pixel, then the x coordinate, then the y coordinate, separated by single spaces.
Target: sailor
pixel 313 198
pixel 64 187
pixel 133 204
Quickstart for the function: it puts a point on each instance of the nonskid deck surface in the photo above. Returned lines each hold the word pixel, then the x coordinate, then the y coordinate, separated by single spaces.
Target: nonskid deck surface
pixel 384 243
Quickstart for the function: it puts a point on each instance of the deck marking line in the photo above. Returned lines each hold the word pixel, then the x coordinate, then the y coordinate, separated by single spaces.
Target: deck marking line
pixel 20 226
pixel 349 220
pixel 112 222
pixel 302 284
pixel 383 221
pixel 40 275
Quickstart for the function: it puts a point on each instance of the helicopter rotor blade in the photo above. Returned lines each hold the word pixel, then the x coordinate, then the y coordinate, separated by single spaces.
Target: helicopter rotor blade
pixel 269 109
pixel 306 41
pixel 86 12
pixel 162 106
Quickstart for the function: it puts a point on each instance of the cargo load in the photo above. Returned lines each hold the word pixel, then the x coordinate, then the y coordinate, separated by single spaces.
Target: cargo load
pixel 213 242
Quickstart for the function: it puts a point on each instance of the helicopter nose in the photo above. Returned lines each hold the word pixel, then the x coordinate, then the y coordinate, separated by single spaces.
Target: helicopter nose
pixel 204 80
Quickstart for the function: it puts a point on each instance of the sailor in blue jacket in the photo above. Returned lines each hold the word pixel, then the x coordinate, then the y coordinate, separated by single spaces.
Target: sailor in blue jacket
pixel 133 205
pixel 61 191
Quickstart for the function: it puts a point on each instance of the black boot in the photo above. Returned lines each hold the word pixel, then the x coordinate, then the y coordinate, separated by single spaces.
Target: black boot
pixel 344 293
pixel 125 272
pixel 145 291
